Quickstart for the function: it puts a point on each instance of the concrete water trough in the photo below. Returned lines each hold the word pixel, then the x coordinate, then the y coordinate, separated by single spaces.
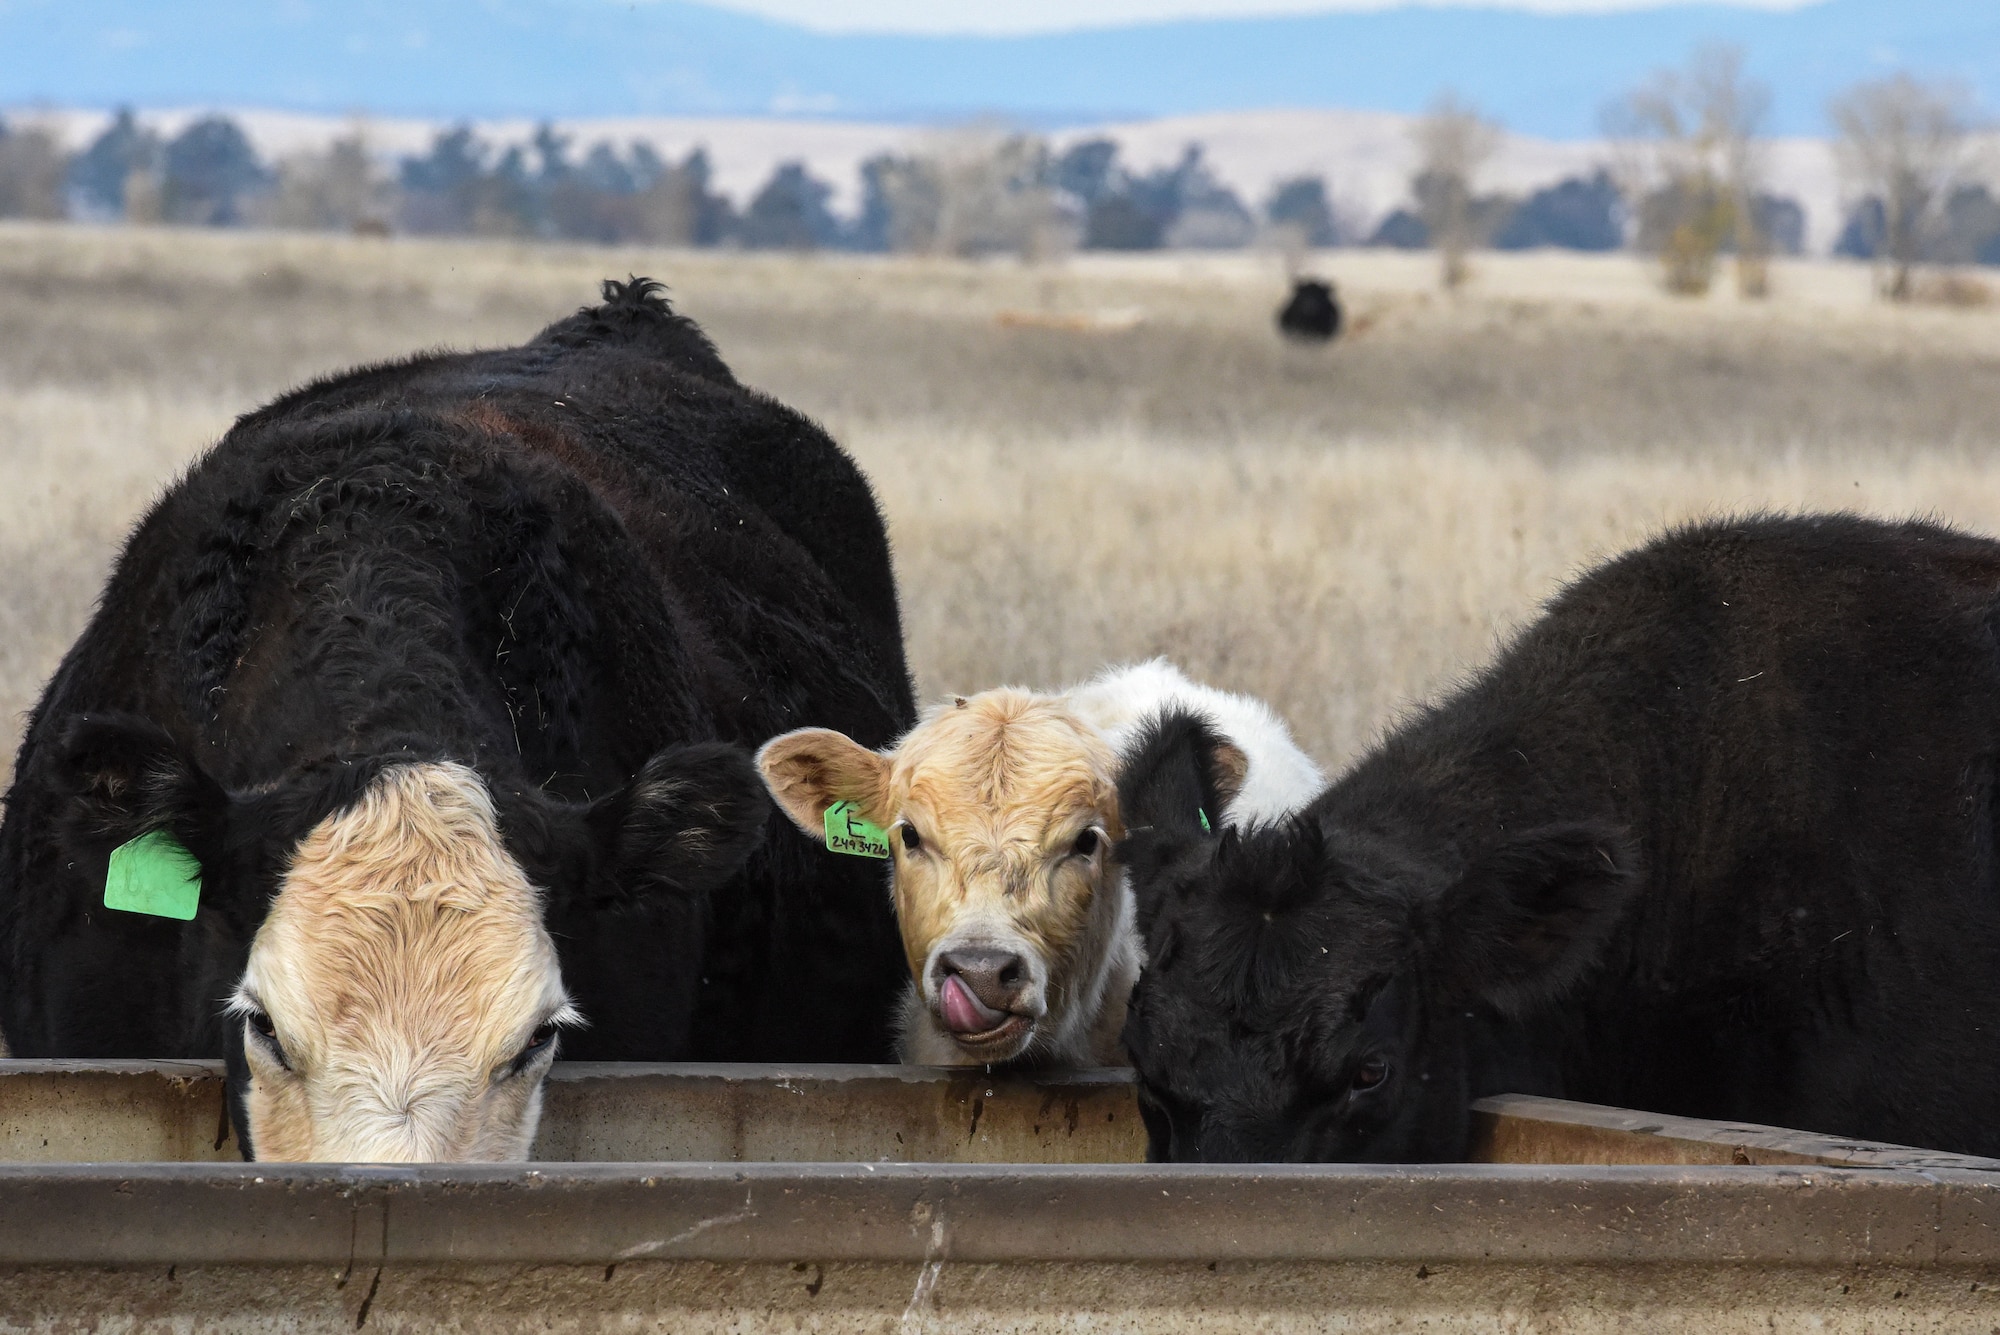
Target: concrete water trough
pixel 893 1198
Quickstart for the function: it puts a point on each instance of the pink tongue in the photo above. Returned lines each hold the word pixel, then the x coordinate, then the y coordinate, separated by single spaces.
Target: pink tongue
pixel 963 1012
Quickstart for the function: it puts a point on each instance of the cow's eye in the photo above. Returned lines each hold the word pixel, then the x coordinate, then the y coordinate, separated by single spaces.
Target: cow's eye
pixel 261 1024
pixel 1371 1073
pixel 911 840
pixel 538 1043
pixel 1086 844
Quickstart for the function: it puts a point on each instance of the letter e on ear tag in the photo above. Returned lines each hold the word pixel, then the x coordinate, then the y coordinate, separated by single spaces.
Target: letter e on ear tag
pixel 154 874
pixel 847 832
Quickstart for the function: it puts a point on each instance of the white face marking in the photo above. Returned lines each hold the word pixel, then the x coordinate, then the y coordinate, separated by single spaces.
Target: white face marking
pixel 999 788
pixel 404 968
pixel 985 800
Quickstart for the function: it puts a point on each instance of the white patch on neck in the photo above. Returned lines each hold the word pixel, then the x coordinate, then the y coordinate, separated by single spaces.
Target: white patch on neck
pixel 1089 984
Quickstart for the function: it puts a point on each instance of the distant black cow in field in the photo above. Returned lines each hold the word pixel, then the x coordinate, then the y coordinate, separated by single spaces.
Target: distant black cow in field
pixel 1313 314
pixel 1718 836
pixel 434 675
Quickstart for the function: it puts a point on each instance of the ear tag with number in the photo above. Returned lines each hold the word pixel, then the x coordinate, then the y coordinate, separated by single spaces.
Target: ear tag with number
pixel 154 874
pixel 1204 821
pixel 847 832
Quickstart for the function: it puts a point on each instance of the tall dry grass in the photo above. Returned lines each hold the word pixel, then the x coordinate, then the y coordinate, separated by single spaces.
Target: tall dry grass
pixel 1342 583
pixel 1341 532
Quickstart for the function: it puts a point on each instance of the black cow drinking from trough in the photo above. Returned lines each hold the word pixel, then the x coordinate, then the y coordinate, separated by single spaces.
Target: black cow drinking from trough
pixel 1719 835
pixel 1312 314
pixel 438 670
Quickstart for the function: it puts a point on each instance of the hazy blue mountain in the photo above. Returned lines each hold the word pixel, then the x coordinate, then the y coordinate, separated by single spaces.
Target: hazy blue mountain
pixel 1541 74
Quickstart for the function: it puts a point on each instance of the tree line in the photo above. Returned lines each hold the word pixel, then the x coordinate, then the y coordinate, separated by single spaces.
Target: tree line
pixel 1690 167
pixel 971 191
pixel 1686 180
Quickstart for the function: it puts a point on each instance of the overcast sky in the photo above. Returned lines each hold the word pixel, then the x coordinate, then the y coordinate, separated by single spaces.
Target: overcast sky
pixel 1017 16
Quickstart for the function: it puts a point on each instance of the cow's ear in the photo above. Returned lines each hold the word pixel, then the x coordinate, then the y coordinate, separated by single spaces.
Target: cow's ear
pixel 1228 769
pixel 809 770
pixel 685 823
pixel 1530 916
pixel 126 776
pixel 1178 777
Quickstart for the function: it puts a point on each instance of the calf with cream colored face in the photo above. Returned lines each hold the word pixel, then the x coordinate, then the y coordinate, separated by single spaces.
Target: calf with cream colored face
pixel 1001 814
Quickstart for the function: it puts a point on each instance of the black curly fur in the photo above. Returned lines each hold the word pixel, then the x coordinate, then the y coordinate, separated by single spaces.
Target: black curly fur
pixel 567 564
pixel 636 312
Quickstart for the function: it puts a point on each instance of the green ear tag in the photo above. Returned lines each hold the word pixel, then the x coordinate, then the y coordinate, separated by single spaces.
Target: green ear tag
pixel 154 874
pixel 846 832
pixel 1204 821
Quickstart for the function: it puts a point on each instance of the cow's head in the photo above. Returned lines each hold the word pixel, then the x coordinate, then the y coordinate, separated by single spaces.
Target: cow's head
pixel 1001 811
pixel 391 989
pixel 1310 989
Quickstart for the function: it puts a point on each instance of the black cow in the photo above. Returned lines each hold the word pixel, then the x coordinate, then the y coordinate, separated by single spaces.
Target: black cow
pixel 1719 836
pixel 440 670
pixel 1312 315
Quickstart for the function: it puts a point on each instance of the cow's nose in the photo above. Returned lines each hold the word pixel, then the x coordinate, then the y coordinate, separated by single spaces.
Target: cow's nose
pixel 996 977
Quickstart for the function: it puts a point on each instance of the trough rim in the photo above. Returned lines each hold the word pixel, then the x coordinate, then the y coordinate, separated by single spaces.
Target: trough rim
pixel 606 1214
pixel 210 1068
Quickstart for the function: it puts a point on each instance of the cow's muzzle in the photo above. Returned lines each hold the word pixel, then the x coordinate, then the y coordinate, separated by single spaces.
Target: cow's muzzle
pixel 984 996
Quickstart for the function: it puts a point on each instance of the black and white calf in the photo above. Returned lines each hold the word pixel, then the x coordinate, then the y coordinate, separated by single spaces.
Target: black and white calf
pixel 1719 835
pixel 435 677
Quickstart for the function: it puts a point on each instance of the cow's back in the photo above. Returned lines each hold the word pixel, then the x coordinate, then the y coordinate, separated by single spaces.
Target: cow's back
pixel 1798 722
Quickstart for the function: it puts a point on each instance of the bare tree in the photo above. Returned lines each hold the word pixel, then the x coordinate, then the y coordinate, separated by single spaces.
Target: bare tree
pixel 339 189
pixel 31 173
pixel 993 197
pixel 1905 146
pixel 1453 143
pixel 912 197
pixel 975 190
pixel 671 207
pixel 1734 108
pixel 1692 157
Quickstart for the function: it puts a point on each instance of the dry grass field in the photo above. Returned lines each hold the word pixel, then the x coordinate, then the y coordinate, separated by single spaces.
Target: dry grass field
pixel 1342 531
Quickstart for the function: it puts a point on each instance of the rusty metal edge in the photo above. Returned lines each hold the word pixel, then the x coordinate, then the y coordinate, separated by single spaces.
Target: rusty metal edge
pixel 172 1068
pixel 745 1072
pixel 838 1074
pixel 602 1214
pixel 1782 1144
